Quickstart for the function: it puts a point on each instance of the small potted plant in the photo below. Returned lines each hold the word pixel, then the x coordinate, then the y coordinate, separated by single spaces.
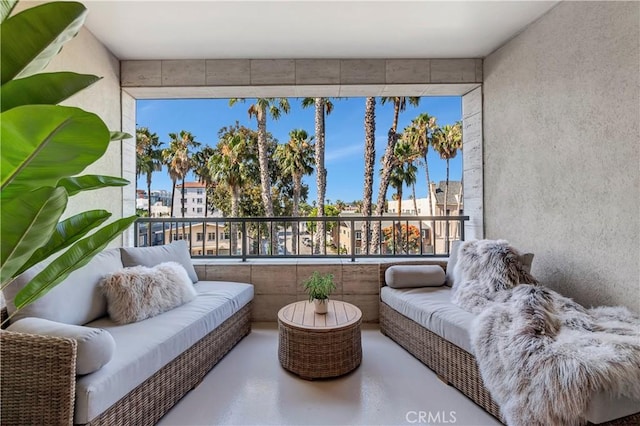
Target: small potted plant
pixel 319 287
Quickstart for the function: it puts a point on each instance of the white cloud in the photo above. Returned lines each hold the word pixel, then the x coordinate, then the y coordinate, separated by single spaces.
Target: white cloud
pixel 341 153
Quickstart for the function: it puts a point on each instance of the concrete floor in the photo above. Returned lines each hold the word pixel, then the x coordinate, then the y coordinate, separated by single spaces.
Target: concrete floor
pixel 391 387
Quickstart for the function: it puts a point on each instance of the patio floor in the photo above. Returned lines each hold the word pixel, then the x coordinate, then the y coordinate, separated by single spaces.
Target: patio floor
pixel 391 387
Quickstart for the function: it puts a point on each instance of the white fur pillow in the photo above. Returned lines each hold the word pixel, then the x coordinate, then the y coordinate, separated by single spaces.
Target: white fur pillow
pixel 139 292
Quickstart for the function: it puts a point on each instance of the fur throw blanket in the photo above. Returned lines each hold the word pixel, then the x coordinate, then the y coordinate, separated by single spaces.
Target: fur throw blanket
pixel 542 356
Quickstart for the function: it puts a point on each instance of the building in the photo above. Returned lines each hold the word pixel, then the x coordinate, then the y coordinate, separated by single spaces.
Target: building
pixel 194 201
pixel 210 239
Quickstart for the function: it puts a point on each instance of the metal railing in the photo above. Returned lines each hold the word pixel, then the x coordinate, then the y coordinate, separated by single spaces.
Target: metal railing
pixel 301 237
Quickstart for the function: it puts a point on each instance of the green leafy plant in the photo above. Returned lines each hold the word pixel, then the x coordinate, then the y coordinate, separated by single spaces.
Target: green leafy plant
pixel 44 146
pixel 319 286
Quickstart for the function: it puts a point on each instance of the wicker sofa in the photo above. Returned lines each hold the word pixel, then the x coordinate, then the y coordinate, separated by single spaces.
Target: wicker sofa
pixel 425 323
pixel 156 361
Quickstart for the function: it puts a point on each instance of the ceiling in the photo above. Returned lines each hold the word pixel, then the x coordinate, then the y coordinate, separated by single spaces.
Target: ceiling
pixel 211 29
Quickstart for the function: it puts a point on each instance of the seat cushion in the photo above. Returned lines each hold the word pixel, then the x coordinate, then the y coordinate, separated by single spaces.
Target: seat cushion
pixel 79 292
pixel 146 346
pixel 431 307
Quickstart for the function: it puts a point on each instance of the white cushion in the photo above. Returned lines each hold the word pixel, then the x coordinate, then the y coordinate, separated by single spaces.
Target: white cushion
pixel 75 300
pixel 431 307
pixel 451 263
pixel 95 345
pixel 405 276
pixel 146 346
pixel 139 292
pixel 178 251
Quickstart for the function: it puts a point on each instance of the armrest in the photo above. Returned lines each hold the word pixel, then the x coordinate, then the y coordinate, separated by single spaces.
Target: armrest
pixel 38 375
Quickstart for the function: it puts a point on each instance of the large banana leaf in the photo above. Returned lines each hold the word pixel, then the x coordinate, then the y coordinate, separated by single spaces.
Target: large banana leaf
pixel 47 88
pixel 75 257
pixel 27 223
pixel 67 232
pixel 44 143
pixel 48 27
pixel 6 6
pixel 76 184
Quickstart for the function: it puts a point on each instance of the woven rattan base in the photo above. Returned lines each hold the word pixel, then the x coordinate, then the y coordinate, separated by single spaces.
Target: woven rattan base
pixel 147 403
pixel 320 353
pixel 457 366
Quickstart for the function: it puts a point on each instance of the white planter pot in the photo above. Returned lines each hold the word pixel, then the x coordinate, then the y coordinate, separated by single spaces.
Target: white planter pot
pixel 321 305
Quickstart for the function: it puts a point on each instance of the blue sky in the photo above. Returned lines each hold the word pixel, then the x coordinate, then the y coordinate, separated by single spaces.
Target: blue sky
pixel 344 154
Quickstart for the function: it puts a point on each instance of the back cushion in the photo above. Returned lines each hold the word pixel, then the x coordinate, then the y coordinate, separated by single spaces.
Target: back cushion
pixel 453 258
pixel 178 251
pixel 76 300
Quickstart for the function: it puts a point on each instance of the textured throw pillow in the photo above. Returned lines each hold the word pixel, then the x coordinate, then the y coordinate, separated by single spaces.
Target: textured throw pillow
pixel 139 292
pixel 406 276
pixel 177 251
pixel 95 345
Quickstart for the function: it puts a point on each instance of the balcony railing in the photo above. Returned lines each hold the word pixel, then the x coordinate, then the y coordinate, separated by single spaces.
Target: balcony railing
pixel 301 237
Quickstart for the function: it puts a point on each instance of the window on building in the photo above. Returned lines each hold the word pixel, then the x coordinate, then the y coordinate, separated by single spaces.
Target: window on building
pixel 199 210
pixel 183 200
pixel 184 210
pixel 198 200
pixel 226 235
pixel 199 191
pixel 199 236
pixel 209 251
pixel 358 235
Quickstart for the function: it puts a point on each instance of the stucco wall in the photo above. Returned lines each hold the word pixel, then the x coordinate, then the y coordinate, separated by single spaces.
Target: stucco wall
pixel 85 54
pixel 562 149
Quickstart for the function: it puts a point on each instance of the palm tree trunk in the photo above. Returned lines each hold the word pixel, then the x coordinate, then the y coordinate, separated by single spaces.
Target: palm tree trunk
pixel 182 198
pixel 321 175
pixel 369 163
pixel 388 161
pixel 265 180
pixel 149 196
pixel 233 228
pixel 297 188
pixel 173 195
pixel 398 239
pixel 446 194
pixel 430 195
pixel 415 202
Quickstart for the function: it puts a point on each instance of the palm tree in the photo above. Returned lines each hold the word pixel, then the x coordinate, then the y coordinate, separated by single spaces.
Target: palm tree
pixel 419 135
pixel 388 161
pixel 323 107
pixel 230 164
pixel 263 107
pixel 148 157
pixel 446 141
pixel 202 172
pixel 369 163
pixel 295 158
pixel 403 173
pixel 178 160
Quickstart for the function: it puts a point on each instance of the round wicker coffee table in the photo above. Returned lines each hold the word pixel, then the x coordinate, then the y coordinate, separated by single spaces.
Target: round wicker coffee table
pixel 316 346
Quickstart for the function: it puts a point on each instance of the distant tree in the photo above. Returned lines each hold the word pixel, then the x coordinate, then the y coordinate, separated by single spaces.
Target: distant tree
pixel 262 108
pixel 323 107
pixel 295 158
pixel 148 157
pixel 178 160
pixel 404 172
pixel 407 240
pixel 203 173
pixel 388 159
pixel 447 140
pixel 419 134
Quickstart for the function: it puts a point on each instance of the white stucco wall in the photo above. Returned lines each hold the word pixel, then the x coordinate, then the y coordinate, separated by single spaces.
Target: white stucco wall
pixel 85 54
pixel 562 149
